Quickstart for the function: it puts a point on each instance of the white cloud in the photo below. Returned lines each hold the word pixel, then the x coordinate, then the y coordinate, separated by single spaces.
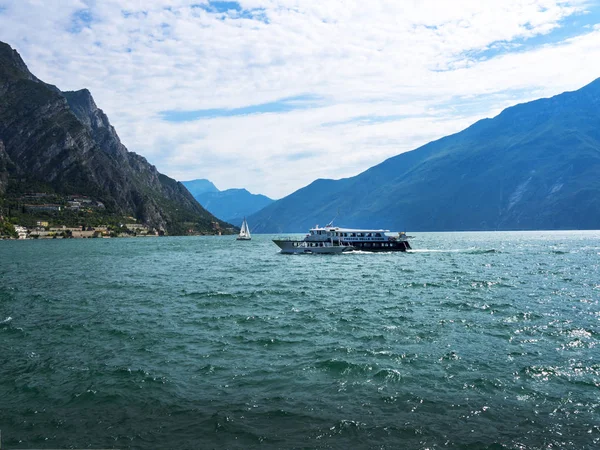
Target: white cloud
pixel 412 70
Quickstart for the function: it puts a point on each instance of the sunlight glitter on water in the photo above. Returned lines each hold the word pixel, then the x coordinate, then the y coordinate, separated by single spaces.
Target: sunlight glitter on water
pixel 470 340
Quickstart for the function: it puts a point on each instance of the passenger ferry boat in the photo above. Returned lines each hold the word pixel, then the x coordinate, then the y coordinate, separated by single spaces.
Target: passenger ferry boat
pixel 347 239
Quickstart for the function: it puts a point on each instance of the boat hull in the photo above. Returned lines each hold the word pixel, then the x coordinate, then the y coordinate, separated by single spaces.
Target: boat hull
pixel 303 247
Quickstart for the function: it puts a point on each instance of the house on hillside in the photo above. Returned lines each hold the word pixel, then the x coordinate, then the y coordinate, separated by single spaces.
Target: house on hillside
pixel 21 232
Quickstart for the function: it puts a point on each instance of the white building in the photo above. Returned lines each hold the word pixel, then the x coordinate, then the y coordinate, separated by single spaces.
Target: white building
pixel 21 231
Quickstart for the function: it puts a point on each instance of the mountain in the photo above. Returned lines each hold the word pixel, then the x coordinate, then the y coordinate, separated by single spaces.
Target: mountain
pixel 231 205
pixel 61 144
pixel 197 187
pixel 534 166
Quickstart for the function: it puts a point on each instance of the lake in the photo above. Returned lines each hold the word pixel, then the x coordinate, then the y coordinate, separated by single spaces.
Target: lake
pixel 471 340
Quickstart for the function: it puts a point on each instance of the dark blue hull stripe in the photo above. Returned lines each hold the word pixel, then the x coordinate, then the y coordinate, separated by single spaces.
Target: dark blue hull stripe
pixel 399 246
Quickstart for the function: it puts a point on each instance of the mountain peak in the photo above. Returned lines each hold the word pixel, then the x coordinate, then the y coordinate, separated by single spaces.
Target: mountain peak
pixel 12 66
pixel 82 97
pixel 200 186
pixel 83 105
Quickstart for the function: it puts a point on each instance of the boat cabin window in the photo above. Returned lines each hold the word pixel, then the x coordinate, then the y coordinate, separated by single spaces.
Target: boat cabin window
pixel 377 234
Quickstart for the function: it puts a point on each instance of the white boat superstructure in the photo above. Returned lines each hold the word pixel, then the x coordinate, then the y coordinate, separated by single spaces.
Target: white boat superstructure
pixel 372 240
pixel 244 232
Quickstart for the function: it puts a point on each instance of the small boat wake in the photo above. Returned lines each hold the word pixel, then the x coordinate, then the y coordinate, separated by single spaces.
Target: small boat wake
pixel 363 252
pixel 468 251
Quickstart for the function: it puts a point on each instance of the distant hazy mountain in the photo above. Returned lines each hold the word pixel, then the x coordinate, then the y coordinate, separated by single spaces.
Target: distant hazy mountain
pixel 62 143
pixel 231 204
pixel 197 187
pixel 534 166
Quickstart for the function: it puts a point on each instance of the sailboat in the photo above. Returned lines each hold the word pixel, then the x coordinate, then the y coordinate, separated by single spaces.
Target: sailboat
pixel 244 232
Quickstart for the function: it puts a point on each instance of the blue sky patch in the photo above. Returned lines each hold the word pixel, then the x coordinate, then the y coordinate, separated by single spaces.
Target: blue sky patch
pixel 233 10
pixel 222 7
pixel 79 20
pixel 279 106
pixel 571 26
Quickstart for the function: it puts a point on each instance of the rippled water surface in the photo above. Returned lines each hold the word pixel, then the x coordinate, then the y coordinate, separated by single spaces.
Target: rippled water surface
pixel 473 340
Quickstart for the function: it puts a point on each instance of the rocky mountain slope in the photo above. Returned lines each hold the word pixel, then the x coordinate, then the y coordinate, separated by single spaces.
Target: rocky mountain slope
pixel 61 142
pixel 534 166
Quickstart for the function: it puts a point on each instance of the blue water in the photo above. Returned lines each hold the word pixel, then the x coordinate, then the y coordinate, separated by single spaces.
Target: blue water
pixel 473 340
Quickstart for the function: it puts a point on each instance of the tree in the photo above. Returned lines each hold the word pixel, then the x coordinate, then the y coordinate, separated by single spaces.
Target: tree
pixel 7 229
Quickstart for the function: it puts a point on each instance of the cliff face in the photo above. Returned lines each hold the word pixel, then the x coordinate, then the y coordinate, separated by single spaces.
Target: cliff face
pixel 5 164
pixel 64 140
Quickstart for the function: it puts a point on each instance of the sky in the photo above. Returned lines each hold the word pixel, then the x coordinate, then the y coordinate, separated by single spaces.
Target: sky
pixel 269 95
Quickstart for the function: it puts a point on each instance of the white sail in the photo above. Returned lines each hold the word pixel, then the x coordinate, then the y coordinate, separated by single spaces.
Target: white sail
pixel 244 231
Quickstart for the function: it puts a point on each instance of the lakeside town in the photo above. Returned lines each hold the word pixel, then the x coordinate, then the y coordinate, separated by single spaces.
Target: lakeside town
pixel 50 216
pixel 42 215
pixel 43 231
